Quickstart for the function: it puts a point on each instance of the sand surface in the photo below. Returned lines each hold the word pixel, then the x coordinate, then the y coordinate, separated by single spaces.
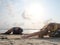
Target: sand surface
pixel 16 40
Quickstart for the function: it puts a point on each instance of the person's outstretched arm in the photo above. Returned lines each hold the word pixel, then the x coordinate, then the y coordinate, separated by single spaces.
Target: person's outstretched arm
pixel 40 33
pixel 32 34
pixel 9 31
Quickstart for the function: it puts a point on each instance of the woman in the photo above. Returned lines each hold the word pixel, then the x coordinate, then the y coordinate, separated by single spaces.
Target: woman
pixel 49 30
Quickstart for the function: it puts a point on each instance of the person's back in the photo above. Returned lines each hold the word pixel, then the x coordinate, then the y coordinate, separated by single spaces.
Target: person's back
pixel 17 30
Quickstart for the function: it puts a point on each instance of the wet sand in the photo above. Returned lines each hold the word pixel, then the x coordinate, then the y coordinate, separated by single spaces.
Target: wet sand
pixel 16 40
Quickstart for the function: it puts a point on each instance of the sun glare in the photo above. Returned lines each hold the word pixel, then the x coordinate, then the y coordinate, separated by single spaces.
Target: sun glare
pixel 35 12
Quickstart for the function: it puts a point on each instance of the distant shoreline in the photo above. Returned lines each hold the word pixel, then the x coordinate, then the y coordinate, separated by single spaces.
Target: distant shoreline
pixel 24 31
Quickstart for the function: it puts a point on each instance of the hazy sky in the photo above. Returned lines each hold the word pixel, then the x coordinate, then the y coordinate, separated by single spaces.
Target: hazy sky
pixel 28 13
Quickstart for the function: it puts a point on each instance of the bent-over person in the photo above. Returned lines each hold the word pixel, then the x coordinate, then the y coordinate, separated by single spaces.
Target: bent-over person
pixel 14 30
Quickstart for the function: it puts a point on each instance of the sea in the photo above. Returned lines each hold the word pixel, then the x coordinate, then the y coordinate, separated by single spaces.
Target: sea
pixel 27 31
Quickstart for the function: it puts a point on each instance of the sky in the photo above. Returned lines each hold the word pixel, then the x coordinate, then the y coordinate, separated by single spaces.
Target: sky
pixel 28 14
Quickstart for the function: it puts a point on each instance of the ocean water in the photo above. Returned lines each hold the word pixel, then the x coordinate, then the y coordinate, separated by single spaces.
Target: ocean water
pixel 24 31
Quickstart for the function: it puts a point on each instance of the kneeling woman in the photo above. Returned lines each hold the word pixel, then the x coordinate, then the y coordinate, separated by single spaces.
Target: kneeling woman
pixel 51 30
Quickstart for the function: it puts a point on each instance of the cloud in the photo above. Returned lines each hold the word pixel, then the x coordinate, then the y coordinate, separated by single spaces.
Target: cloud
pixel 0 2
pixel 10 16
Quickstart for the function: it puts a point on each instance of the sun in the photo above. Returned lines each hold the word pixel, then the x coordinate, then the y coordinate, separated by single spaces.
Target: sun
pixel 34 12
pixel 34 15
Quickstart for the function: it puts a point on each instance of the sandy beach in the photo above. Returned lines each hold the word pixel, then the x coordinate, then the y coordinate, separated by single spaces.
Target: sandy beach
pixel 16 40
